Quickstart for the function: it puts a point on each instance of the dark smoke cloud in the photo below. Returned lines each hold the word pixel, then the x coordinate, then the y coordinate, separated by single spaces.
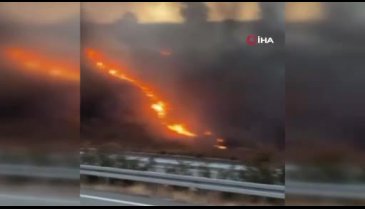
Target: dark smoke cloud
pixel 212 75
pixel 324 83
pixel 33 110
pixel 194 12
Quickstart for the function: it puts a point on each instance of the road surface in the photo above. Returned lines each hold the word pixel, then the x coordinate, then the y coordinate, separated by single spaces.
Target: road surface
pixel 100 198
pixel 16 199
pixel 37 193
pixel 87 198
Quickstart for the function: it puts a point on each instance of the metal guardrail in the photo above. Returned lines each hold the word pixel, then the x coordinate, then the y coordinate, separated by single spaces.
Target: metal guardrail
pixel 247 188
pixel 326 190
pixel 193 162
pixel 31 171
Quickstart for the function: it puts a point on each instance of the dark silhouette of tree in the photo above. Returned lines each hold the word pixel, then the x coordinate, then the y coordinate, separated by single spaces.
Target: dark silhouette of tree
pixel 129 19
pixel 129 25
pixel 195 12
pixel 272 14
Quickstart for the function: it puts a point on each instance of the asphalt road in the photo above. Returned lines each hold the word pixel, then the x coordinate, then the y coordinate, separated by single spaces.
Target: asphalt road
pixel 28 200
pixel 101 198
pixel 35 194
pixel 87 198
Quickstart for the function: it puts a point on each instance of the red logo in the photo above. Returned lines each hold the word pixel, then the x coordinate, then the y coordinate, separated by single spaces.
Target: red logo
pixel 251 40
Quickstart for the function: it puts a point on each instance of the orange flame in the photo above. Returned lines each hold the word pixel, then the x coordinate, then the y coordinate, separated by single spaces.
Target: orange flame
pixel 37 63
pixel 159 108
pixel 157 105
pixel 222 147
pixel 180 129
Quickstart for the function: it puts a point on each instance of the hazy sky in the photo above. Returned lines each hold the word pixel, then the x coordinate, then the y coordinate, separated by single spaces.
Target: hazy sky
pixel 39 13
pixel 303 12
pixel 148 12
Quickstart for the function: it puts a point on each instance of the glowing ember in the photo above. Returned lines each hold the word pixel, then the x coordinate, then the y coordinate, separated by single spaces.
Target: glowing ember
pixel 100 64
pixel 220 144
pixel 113 72
pixel 157 105
pixel 222 147
pixel 180 129
pixel 42 65
pixel 208 133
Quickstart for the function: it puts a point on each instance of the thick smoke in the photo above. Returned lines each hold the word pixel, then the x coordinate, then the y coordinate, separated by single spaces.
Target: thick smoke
pixel 324 83
pixel 212 78
pixel 36 112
